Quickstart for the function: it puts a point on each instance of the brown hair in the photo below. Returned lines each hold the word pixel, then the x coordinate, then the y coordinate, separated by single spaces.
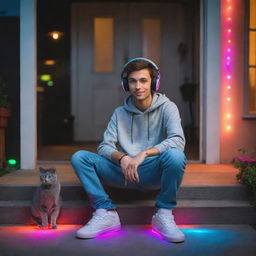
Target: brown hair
pixel 136 66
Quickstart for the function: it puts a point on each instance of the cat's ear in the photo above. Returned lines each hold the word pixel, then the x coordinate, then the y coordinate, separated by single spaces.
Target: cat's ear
pixel 52 170
pixel 42 170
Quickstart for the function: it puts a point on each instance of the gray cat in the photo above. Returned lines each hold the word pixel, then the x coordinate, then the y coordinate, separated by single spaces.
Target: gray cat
pixel 47 200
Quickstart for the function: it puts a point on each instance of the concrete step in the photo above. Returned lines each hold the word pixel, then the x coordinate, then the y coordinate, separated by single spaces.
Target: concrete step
pixel 76 192
pixel 140 212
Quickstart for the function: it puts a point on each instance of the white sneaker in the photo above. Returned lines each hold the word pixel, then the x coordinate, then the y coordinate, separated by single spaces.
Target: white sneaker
pixel 101 222
pixel 164 224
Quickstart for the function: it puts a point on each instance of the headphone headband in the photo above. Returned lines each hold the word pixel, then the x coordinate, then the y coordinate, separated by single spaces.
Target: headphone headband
pixel 155 80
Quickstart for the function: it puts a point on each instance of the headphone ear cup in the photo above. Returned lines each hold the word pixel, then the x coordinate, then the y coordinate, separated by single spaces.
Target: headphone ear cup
pixel 125 84
pixel 153 83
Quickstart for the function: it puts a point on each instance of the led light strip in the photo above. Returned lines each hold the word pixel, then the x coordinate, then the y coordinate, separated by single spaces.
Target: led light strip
pixel 228 62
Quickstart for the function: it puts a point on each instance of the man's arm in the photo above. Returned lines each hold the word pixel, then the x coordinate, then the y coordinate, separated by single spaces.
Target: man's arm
pixel 116 156
pixel 172 122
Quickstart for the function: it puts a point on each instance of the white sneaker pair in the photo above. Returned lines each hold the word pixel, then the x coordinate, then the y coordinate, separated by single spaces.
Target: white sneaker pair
pixel 104 221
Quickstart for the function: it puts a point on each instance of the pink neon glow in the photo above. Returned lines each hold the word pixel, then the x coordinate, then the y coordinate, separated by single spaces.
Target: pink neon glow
pixel 227 63
pixel 110 234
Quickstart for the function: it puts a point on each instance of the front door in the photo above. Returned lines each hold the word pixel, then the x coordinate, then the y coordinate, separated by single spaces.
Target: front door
pixel 104 37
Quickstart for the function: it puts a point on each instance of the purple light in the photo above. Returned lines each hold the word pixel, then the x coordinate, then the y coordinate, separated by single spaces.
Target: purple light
pixel 110 234
pixel 229 77
pixel 228 58
pixel 229 50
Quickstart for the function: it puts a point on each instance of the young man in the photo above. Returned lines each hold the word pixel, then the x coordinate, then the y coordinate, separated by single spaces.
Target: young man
pixel 149 133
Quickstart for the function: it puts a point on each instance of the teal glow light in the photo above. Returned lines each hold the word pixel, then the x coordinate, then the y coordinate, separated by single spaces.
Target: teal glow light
pixel 12 162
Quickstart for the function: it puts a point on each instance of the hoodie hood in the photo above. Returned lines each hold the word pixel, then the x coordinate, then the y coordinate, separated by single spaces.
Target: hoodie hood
pixel 158 100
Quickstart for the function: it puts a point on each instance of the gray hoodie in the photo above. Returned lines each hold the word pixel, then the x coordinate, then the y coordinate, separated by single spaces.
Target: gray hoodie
pixel 159 126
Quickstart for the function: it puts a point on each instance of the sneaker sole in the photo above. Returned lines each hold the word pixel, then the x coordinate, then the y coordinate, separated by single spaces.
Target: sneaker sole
pixel 110 229
pixel 173 240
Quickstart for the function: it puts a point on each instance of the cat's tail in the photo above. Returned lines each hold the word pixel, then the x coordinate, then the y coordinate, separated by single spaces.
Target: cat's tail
pixel 37 220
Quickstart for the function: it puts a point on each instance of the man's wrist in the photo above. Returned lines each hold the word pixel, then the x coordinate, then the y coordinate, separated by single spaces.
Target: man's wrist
pixel 119 160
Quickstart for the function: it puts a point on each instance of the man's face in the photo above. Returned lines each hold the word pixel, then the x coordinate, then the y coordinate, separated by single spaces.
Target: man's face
pixel 140 84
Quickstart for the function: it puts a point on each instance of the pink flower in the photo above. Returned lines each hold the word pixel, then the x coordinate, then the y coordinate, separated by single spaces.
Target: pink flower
pixel 246 159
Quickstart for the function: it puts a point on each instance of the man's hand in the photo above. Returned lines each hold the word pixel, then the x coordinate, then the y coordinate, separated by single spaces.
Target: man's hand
pixel 130 166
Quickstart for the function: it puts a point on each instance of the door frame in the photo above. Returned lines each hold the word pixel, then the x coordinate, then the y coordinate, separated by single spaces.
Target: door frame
pixel 209 67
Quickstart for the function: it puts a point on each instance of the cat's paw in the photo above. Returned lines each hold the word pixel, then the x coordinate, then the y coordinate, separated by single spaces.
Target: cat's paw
pixel 54 226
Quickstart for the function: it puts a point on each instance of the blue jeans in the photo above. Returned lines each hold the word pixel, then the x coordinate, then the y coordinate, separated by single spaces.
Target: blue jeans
pixel 162 172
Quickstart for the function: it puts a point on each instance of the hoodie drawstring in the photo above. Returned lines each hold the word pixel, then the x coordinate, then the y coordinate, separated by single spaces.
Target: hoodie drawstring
pixel 148 126
pixel 132 129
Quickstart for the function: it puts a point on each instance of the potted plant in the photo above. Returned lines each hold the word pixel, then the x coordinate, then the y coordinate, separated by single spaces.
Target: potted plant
pixel 247 171
pixel 5 110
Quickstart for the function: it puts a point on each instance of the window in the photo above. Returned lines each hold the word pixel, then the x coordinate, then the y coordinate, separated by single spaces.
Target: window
pixel 251 61
pixel 103 44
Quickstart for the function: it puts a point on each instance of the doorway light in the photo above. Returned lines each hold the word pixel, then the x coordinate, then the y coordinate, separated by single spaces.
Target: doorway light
pixel 56 35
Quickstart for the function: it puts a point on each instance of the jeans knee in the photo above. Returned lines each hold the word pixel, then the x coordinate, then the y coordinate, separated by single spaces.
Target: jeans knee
pixel 78 156
pixel 174 157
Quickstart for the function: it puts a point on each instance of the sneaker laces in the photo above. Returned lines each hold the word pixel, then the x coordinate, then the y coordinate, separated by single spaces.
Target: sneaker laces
pixel 96 218
pixel 168 220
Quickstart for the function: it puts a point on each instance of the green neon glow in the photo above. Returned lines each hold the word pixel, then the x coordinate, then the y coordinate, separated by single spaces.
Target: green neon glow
pixel 50 83
pixel 12 161
pixel 45 77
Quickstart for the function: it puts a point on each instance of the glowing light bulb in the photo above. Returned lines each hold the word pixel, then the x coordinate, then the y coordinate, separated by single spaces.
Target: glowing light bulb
pixel 228 58
pixel 55 36
pixel 230 8
pixel 229 41
pixel 229 30
pixel 228 115
pixel 228 99
pixel 228 87
pixel 229 77
pixel 228 127
pixel 229 50
pixel 229 18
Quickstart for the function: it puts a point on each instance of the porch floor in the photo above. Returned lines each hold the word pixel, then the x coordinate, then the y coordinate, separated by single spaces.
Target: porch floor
pixel 228 240
pixel 195 175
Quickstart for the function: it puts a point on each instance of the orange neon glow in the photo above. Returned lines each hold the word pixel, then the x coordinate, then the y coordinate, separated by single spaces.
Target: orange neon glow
pixel 228 87
pixel 228 99
pixel 228 115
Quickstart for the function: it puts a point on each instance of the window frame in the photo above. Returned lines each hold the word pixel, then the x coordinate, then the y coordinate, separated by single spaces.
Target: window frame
pixel 246 114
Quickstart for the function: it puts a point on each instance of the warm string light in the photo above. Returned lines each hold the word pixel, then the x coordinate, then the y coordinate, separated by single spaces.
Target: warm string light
pixel 228 59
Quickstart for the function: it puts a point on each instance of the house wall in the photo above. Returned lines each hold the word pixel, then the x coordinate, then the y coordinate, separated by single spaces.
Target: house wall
pixel 242 134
